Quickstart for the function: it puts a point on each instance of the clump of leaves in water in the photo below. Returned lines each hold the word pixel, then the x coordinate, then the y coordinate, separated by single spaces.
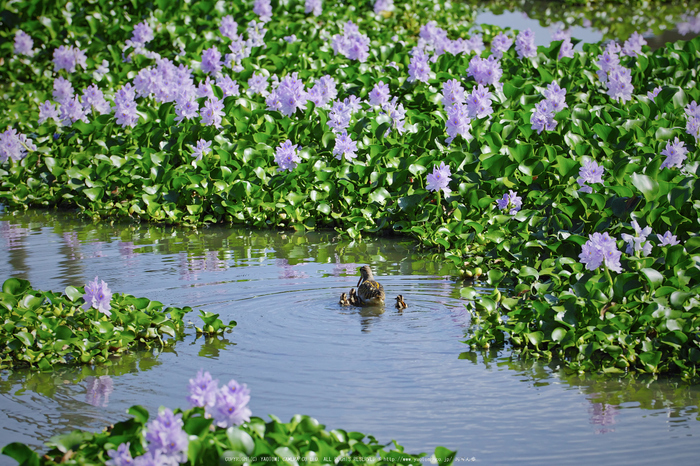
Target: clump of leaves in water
pixel 41 329
pixel 219 429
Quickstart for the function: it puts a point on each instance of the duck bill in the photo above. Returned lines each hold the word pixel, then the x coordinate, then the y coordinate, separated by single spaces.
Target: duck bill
pixel 358 283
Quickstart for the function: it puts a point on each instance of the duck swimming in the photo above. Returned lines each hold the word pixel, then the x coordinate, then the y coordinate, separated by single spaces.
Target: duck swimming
pixel 369 291
pixel 400 303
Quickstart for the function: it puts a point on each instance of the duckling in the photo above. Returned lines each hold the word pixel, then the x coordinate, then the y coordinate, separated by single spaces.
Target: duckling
pixel 369 291
pixel 344 299
pixel 400 303
pixel 352 299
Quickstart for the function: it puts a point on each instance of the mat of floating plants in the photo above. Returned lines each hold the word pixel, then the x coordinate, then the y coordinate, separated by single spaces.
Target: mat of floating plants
pixel 564 178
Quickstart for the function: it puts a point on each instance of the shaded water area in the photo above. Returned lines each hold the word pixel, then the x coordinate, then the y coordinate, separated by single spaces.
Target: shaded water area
pixel 403 376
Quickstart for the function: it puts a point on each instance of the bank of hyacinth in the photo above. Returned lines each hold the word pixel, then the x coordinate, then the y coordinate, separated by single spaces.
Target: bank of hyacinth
pixel 320 115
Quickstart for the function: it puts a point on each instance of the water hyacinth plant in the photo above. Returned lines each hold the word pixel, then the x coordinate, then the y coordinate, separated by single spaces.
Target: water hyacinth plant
pixel 197 436
pixel 375 101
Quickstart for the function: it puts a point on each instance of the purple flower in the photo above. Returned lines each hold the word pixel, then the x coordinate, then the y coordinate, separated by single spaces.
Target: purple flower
pixel 652 94
pixel 239 50
pixel 66 58
pixel 566 50
pixel 125 109
pixel 560 34
pixel 256 34
pixel 142 34
pixel 323 91
pixel 291 39
pixel 351 44
pixel 675 153
pixel 287 156
pixel 23 44
pixel 211 60
pixel 345 147
pixel 263 8
pixel 383 5
pixel 525 44
pixel 638 242
pixel 98 295
pixel 202 149
pixel 71 111
pixel 458 122
pixel 48 110
pixel 379 95
pixel 633 45
pixel 291 94
pixel 668 239
pixel 203 390
pixel 14 145
pixel 94 99
pixel 121 456
pixel 500 44
pixel 452 93
pixel 692 127
pixel 164 435
pixel 620 84
pixel 228 86
pixel 213 112
pixel 543 117
pixel 62 90
pixel 511 202
pixel 257 84
pixel 590 172
pixel 601 249
pixel 231 406
pixel 556 97
pixel 397 114
pixel 439 179
pixel 339 117
pixel 486 71
pixel 313 6
pixel 692 110
pixel 228 27
pixel 479 103
pixel 186 109
pixel 418 69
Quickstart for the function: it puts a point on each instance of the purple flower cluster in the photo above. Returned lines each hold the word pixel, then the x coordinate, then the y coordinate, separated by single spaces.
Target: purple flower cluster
pixel 397 114
pixel 203 148
pixel 614 76
pixel 345 147
pixel 186 108
pixel 287 156
pixel 500 44
pixel 567 48
pixel 675 153
pixel 452 93
pixel 166 82
pixel 689 24
pixel 525 44
pixel 435 38
pixel 439 179
pixel 510 202
pixel 62 90
pixel 418 68
pixel 351 44
pixel 314 7
pixel 263 9
pixel 638 242
pixel 599 249
pixel 479 102
pixel 213 112
pixel 590 172
pixel 228 27
pixel 98 295
pixel 668 239
pixel 486 71
pixel 125 106
pixel 458 122
pixel 48 110
pixel 121 456
pixel 653 93
pixel 211 61
pixel 67 58
pixel 383 5
pixel 692 126
pixel 167 441
pixel 228 86
pixel 14 145
pixel 323 91
pixel 228 405
pixel 71 111
pixel 257 84
pixel 633 45
pixel 288 96
pixel 380 94
pixel 543 116
pixel 24 45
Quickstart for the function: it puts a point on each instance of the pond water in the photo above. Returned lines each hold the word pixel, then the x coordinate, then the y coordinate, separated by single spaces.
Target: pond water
pixel 402 376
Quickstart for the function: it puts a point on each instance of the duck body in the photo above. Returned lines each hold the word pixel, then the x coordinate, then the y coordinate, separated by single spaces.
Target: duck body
pixel 400 303
pixel 369 291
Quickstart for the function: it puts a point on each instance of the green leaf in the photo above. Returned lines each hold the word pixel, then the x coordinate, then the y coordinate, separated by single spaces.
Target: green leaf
pixel 21 453
pixel 647 186
pixel 654 278
pixel 444 456
pixel 70 441
pixel 73 293
pixel 240 440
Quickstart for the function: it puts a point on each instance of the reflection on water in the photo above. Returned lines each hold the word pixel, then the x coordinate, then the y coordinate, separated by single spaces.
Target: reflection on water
pixel 401 375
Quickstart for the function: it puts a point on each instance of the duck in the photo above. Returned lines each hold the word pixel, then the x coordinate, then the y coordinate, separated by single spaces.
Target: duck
pixel 400 303
pixel 352 298
pixel 344 299
pixel 369 291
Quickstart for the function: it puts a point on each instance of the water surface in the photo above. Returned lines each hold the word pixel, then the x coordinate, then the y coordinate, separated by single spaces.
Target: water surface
pixel 395 375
